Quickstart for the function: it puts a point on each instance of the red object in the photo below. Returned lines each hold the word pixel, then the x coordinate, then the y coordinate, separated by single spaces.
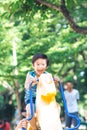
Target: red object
pixel 5 126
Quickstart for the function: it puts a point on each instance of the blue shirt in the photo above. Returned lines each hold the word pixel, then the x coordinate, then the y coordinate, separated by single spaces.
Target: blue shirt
pixel 33 88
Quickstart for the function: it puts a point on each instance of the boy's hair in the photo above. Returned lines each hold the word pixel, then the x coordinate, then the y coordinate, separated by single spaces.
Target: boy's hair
pixel 42 56
pixel 69 81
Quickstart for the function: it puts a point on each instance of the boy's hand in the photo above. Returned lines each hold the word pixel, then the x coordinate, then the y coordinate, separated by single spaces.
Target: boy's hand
pixel 30 81
pixel 34 81
pixel 56 80
pixel 24 123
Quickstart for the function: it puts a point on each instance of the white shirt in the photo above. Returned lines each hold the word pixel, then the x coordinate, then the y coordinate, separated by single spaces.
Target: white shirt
pixel 71 100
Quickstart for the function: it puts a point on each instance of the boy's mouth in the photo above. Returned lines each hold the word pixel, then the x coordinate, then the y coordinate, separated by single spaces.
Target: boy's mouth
pixel 40 72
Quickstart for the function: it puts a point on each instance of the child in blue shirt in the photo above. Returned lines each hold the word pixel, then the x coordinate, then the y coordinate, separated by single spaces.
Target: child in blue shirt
pixel 40 63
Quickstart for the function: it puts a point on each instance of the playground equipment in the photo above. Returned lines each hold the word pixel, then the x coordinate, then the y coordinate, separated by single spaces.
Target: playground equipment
pixel 31 105
pixel 65 107
pixel 48 110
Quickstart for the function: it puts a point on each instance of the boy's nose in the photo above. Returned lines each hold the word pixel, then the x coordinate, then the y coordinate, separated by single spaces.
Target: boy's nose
pixel 41 67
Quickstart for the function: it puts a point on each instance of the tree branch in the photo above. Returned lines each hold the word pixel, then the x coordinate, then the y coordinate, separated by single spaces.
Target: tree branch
pixel 48 5
pixel 6 85
pixel 62 8
pixel 74 26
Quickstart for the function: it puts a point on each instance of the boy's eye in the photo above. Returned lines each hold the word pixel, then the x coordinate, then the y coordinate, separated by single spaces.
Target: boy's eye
pixel 41 64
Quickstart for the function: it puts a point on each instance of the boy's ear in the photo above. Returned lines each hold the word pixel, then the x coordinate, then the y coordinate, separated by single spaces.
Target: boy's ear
pixel 32 65
pixel 46 66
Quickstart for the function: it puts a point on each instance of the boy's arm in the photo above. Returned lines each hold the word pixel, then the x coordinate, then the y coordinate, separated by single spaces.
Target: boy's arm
pixel 30 80
pixel 27 81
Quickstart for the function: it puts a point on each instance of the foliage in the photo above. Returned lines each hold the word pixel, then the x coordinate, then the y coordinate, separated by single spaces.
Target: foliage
pixel 29 27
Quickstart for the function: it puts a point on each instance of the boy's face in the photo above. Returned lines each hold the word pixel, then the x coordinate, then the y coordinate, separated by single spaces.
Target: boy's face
pixel 69 86
pixel 40 66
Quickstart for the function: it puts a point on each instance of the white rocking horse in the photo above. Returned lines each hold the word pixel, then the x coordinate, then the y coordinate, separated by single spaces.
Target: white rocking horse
pixel 48 110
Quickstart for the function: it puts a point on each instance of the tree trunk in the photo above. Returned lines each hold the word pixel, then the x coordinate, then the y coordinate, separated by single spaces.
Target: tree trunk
pixel 18 98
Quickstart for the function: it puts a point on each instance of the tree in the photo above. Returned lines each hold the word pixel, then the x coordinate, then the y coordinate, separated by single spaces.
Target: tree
pixel 70 9
pixel 63 9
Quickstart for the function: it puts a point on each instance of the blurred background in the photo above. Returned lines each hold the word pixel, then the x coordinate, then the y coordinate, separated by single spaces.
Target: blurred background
pixel 54 27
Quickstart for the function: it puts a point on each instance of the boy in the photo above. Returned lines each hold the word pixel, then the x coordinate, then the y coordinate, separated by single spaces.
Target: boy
pixel 40 63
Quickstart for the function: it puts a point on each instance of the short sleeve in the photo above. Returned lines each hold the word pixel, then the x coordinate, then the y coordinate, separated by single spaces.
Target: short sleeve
pixel 77 95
